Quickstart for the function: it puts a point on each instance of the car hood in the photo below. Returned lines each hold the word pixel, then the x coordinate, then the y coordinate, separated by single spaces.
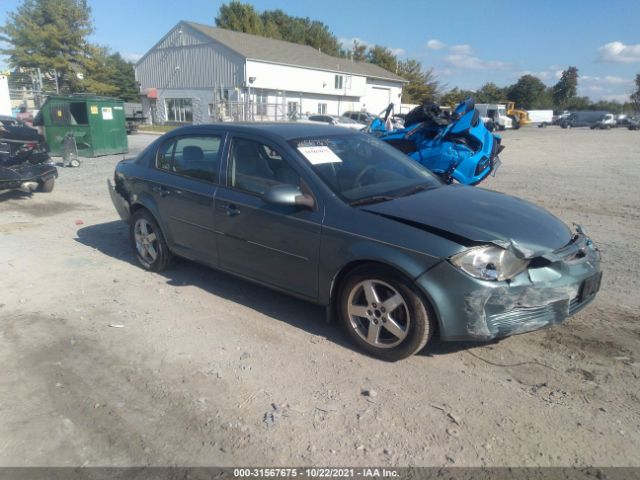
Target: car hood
pixel 471 215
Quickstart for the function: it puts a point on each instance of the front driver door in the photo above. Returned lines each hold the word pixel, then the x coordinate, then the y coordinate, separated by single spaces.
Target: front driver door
pixel 273 244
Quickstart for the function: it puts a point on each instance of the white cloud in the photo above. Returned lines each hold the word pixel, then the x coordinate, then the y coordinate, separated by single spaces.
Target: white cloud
pixel 469 62
pixel 398 52
pixel 461 49
pixel 616 97
pixel 348 42
pixel 434 44
pixel 607 80
pixel 558 74
pixel 618 52
pixel 131 57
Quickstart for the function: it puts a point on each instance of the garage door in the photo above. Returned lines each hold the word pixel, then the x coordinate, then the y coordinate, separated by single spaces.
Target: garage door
pixel 378 99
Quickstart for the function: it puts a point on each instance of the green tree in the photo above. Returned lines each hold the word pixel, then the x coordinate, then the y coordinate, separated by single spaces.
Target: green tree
pixel 454 96
pixel 635 96
pixel 490 93
pixel 528 92
pixel 422 87
pixel 51 35
pixel 358 52
pixel 578 103
pixel 241 17
pixel 383 57
pixel 566 88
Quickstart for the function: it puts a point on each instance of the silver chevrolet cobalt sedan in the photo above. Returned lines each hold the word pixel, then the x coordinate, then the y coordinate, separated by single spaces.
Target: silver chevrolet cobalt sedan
pixel 339 218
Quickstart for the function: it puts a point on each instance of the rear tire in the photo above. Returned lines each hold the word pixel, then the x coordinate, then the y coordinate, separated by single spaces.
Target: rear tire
pixel 383 313
pixel 149 246
pixel 47 186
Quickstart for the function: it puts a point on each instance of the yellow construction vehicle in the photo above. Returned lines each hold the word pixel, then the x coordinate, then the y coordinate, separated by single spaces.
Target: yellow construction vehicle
pixel 519 117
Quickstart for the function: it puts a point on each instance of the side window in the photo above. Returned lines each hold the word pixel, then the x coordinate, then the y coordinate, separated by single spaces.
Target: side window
pixel 165 152
pixel 198 157
pixel 256 167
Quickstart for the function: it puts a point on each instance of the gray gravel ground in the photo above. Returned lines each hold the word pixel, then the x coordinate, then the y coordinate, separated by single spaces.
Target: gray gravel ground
pixel 106 364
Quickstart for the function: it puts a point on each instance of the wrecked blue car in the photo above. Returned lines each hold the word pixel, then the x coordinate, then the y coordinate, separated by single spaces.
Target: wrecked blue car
pixel 455 146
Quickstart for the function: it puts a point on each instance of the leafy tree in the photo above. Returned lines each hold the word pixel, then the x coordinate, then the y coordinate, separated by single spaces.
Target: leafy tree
pixel 490 93
pixel 359 52
pixel 566 88
pixel 51 35
pixel 241 17
pixel 454 96
pixel 422 87
pixel 383 57
pixel 110 74
pixel 528 92
pixel 577 103
pixel 635 96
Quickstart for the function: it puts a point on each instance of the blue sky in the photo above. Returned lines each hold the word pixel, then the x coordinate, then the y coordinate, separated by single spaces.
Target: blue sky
pixel 468 43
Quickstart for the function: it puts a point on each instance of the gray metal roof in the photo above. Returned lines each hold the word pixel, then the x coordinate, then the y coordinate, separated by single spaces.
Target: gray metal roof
pixel 278 51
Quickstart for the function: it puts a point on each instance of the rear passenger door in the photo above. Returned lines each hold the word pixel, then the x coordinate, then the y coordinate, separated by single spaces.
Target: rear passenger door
pixel 185 197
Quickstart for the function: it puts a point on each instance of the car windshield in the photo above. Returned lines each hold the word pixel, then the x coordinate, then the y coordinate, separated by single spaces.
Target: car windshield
pixel 362 169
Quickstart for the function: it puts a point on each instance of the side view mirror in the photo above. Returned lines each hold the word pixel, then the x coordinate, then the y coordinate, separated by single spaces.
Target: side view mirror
pixel 286 194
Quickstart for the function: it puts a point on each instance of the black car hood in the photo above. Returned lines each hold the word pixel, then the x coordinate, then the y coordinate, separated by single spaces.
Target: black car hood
pixel 472 215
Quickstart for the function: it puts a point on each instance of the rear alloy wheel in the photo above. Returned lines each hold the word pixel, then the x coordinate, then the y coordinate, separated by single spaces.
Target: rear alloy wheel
pixel 149 245
pixel 383 313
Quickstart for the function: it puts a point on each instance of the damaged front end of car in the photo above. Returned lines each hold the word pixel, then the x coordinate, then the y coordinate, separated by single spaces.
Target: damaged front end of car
pixel 25 163
pixel 502 289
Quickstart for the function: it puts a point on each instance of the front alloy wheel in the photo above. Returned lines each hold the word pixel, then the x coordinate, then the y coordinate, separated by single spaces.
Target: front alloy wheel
pixel 383 313
pixel 378 314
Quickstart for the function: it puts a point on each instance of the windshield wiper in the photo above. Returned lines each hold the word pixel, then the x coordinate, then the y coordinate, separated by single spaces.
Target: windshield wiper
pixel 414 190
pixel 369 200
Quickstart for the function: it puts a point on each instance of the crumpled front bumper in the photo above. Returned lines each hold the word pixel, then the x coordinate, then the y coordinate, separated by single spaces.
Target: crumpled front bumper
pixel 546 294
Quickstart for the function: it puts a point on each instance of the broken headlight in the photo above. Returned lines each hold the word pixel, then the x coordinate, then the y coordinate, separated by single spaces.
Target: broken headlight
pixel 489 262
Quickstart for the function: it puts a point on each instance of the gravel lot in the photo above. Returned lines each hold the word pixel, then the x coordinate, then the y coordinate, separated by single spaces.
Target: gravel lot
pixel 106 364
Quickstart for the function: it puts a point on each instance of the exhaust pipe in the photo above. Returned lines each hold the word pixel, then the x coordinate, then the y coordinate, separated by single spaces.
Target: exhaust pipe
pixel 28 187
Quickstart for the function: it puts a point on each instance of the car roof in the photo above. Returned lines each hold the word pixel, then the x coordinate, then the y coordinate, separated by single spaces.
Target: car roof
pixel 284 130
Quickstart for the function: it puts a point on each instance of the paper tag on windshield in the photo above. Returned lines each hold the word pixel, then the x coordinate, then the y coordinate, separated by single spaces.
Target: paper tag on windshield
pixel 319 155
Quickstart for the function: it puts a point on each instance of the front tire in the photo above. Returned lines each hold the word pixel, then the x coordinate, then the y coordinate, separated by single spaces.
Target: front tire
pixel 47 185
pixel 383 313
pixel 149 245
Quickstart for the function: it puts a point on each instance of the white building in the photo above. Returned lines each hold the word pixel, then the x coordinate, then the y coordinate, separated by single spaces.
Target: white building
pixel 199 74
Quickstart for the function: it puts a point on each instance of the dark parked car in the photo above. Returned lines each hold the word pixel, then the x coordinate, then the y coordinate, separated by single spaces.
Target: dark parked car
pixel 24 160
pixel 339 218
pixel 364 118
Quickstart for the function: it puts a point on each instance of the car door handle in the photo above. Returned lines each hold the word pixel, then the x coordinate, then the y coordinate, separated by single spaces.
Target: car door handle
pixel 162 190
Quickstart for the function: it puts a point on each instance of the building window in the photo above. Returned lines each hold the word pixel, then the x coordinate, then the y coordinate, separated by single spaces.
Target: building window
pixel 292 110
pixel 261 104
pixel 179 110
pixel 322 108
pixel 339 82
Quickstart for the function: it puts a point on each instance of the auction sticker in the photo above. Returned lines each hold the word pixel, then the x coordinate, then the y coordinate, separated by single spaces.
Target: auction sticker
pixel 319 154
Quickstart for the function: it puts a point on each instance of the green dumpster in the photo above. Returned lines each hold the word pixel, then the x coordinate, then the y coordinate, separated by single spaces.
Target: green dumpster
pixel 97 124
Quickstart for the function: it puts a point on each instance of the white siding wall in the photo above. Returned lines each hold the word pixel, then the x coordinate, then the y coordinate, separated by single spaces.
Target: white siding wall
pixel 298 79
pixel 380 93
